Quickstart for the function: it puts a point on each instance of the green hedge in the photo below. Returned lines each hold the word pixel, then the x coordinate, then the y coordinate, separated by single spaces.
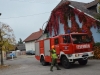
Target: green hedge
pixel 97 44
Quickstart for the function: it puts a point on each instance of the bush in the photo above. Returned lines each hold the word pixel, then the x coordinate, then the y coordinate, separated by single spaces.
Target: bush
pixel 96 50
pixel 97 44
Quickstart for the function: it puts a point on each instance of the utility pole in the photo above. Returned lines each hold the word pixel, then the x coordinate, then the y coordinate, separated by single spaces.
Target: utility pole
pixel 1 42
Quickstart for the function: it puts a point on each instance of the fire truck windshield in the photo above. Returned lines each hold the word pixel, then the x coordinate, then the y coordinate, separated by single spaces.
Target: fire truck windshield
pixel 80 38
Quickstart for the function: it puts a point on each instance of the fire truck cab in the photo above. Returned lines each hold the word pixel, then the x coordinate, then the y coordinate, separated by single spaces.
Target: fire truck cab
pixel 69 48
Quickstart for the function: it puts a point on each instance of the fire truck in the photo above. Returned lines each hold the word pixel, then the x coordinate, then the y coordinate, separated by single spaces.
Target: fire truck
pixel 69 48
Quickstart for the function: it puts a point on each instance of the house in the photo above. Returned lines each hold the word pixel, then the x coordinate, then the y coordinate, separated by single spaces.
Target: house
pixel 20 49
pixel 30 40
pixel 70 16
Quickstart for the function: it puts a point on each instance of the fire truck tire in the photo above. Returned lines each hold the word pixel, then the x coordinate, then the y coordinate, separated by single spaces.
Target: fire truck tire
pixel 83 62
pixel 65 62
pixel 43 61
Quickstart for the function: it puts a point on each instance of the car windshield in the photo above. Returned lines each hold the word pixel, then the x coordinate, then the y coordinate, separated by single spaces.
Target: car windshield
pixel 80 38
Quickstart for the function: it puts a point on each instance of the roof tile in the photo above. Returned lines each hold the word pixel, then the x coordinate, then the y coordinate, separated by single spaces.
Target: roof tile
pixel 34 36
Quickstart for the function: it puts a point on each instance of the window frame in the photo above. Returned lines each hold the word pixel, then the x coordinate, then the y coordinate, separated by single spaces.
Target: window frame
pixel 67 37
pixel 56 43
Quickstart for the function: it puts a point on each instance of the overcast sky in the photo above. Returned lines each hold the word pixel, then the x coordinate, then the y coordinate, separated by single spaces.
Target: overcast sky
pixel 27 16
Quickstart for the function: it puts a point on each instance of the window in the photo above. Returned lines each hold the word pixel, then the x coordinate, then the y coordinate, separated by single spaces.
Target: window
pixel 82 38
pixel 66 39
pixel 56 41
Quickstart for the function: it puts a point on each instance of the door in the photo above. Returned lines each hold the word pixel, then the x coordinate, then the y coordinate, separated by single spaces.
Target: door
pixel 66 44
pixel 56 43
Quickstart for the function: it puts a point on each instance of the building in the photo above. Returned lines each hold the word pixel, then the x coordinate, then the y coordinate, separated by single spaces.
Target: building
pixel 70 16
pixel 30 40
pixel 20 49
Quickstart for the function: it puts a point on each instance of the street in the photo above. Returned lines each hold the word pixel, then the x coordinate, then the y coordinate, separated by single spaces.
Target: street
pixel 28 65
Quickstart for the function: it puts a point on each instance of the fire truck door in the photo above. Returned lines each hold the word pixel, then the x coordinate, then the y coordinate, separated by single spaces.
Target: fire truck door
pixel 57 49
pixel 67 48
pixel 56 43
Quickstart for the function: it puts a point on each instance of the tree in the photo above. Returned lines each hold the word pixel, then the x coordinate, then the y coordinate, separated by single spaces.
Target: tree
pixel 8 46
pixel 98 15
pixel 7 39
pixel 98 10
pixel 20 41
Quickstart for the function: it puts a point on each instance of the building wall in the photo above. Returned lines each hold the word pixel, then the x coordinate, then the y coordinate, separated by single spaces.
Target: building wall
pixel 42 37
pixel 30 45
pixel 95 34
pixel 93 30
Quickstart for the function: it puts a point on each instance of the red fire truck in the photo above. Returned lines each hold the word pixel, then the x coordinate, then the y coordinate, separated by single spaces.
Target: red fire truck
pixel 69 47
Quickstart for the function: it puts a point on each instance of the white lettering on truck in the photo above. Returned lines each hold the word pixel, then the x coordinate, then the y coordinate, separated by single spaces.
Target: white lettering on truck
pixel 83 46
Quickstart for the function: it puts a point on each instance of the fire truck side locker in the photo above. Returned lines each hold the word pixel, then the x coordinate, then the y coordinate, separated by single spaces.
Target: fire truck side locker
pixel 37 51
pixel 46 50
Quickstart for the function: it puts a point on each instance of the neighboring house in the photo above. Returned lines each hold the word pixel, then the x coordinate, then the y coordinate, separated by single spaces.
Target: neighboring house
pixel 30 40
pixel 70 16
pixel 20 47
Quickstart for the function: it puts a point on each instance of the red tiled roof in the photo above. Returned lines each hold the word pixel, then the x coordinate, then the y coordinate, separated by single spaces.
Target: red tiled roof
pixel 34 36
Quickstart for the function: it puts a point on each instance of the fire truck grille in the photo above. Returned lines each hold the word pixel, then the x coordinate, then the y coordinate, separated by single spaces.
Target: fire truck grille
pixel 81 50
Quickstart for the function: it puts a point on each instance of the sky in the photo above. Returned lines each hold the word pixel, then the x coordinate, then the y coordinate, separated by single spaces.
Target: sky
pixel 27 16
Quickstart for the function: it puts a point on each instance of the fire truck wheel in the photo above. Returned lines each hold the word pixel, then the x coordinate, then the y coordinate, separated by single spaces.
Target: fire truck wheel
pixel 65 62
pixel 83 62
pixel 43 61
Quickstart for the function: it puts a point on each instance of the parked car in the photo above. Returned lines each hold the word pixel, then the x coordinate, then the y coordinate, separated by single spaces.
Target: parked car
pixel 9 55
pixel 30 52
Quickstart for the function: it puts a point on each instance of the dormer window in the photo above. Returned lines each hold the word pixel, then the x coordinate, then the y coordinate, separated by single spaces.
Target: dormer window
pixel 98 7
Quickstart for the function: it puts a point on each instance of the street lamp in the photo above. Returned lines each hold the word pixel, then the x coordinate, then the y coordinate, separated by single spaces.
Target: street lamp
pixel 43 24
pixel 42 28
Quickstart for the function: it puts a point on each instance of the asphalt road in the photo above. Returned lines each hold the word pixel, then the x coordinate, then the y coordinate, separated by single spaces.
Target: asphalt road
pixel 28 65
